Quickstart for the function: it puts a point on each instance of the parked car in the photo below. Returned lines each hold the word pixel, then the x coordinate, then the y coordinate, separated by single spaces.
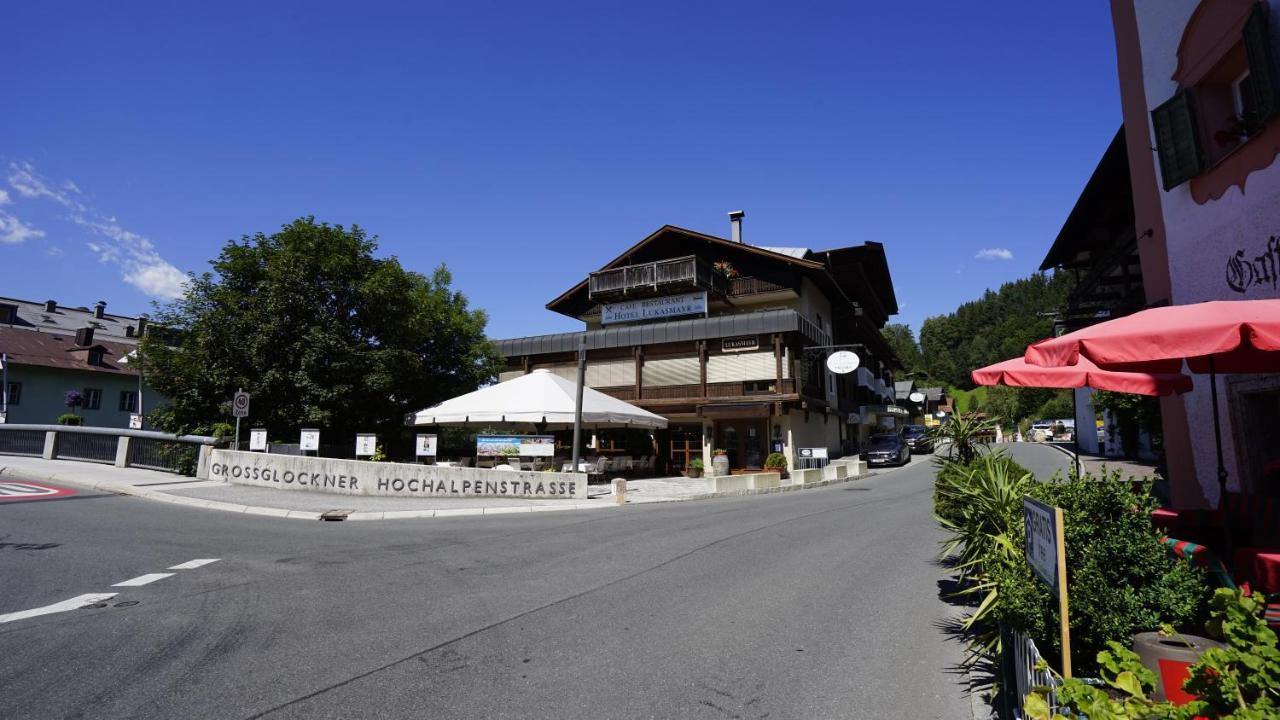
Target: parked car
pixel 887 449
pixel 1041 431
pixel 917 437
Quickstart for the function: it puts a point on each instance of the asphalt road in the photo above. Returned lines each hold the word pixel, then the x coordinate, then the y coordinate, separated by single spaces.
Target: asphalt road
pixel 818 604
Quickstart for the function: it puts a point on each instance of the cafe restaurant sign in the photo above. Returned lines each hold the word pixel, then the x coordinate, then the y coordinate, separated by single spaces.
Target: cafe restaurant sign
pixel 654 308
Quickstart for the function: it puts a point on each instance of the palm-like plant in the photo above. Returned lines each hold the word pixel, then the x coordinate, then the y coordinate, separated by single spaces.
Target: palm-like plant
pixel 963 436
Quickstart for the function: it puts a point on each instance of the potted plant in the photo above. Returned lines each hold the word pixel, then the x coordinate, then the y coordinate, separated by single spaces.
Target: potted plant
pixel 776 462
pixel 720 463
pixel 694 469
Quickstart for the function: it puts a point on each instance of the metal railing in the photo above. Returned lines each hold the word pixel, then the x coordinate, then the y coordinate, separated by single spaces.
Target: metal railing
pixel 1026 671
pixel 124 448
pixel 22 442
pixel 87 446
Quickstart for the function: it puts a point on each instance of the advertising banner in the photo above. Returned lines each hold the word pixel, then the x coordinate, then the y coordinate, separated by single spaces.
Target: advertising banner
pixel 515 445
pixel 653 308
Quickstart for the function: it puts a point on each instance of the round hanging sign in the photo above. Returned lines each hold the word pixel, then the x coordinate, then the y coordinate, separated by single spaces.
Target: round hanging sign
pixel 843 362
pixel 916 397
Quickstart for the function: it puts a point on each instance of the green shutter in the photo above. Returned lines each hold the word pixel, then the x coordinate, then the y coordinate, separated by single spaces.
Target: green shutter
pixel 1177 140
pixel 1262 71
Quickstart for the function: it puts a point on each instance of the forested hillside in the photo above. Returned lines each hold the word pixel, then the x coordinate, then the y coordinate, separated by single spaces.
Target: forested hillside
pixel 995 327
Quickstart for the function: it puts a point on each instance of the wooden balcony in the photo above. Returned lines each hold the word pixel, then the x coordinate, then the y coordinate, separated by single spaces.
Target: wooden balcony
pixel 743 286
pixel 689 273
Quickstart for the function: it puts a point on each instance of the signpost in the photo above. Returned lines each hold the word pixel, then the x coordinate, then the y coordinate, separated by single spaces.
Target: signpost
pixel 366 444
pixel 1047 556
pixel 239 409
pixel 258 439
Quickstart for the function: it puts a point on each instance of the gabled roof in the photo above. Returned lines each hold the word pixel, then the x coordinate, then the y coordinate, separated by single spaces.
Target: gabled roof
pixel 67 320
pixel 25 347
pixel 670 230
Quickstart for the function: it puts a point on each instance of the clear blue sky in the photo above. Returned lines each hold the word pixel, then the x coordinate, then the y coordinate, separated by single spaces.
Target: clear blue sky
pixel 524 144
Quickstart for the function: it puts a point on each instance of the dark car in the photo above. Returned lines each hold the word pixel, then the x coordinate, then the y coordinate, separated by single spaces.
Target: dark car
pixel 917 437
pixel 887 449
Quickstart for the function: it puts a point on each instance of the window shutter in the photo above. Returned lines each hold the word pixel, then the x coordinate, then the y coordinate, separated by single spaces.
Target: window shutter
pixel 1262 70
pixel 611 373
pixel 740 367
pixel 1177 140
pixel 671 371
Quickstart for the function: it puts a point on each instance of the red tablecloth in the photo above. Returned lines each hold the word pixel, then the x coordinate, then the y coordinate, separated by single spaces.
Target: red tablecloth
pixel 1260 567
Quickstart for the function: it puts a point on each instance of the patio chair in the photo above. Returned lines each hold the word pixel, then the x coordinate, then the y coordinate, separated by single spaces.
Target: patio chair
pixel 1218 576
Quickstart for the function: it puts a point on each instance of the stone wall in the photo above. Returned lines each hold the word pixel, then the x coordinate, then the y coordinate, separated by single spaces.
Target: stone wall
pixel 359 477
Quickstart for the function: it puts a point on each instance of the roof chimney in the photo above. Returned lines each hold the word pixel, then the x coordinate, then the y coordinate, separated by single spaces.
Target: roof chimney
pixel 50 306
pixel 84 337
pixel 735 219
pixel 142 325
pixel 100 308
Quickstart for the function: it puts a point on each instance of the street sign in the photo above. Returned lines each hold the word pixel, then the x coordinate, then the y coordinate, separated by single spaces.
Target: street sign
pixel 1047 556
pixel 309 440
pixel 135 421
pixel 916 397
pixel 258 439
pixel 240 404
pixel 366 444
pixel 813 453
pixel 843 362
pixel 426 446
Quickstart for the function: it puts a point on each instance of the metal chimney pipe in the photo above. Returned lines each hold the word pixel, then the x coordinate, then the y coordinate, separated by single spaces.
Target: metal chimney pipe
pixel 100 308
pixel 735 219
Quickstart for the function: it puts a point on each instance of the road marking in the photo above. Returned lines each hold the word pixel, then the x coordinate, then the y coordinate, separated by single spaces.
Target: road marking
pixel 10 490
pixel 74 603
pixel 143 580
pixel 193 564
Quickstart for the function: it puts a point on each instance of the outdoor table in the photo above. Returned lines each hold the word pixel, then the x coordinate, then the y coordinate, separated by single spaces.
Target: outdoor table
pixel 1260 567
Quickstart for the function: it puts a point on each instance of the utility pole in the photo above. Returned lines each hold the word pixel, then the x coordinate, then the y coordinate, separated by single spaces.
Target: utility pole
pixel 577 405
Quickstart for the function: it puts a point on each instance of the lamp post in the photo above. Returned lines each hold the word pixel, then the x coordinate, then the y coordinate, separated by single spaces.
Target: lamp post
pixel 577 405
pixel 4 387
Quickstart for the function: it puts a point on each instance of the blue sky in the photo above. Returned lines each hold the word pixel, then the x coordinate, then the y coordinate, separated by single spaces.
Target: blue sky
pixel 524 144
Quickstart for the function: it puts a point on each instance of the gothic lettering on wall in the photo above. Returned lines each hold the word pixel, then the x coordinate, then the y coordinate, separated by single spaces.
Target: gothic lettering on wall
pixel 1262 271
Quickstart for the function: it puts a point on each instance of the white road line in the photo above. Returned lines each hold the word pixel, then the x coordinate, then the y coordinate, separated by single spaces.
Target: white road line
pixel 143 579
pixel 74 603
pixel 193 564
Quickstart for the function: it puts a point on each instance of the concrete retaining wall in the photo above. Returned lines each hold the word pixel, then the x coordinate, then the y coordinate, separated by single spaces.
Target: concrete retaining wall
pixel 805 477
pixel 359 477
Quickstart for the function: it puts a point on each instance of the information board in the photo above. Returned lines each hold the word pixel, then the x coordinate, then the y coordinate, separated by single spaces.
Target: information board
pixel 813 453
pixel 366 444
pixel 515 445
pixel 258 439
pixel 425 446
pixel 310 439
pixel 1042 541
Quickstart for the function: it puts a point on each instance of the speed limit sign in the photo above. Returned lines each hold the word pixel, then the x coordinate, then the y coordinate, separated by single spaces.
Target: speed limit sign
pixel 240 404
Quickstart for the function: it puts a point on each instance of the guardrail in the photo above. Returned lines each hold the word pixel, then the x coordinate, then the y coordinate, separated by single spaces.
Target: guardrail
pixel 1026 671
pixel 183 454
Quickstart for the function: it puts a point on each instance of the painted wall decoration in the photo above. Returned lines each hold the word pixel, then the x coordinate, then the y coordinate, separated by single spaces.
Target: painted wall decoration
pixel 1244 273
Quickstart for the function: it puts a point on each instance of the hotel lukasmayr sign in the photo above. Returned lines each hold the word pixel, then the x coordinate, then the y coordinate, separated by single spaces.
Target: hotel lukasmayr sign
pixel 653 308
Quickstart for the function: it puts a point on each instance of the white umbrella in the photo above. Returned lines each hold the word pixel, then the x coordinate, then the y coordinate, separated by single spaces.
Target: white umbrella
pixel 539 397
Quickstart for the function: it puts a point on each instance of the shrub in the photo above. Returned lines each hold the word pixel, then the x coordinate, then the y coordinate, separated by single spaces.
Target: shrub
pixel 962 436
pixel 695 464
pixel 70 419
pixel 1120 577
pixel 775 461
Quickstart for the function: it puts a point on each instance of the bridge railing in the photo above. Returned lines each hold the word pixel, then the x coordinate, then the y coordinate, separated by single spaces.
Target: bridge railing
pixel 183 454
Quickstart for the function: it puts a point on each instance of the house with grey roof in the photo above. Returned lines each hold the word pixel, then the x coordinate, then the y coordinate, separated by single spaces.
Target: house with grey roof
pixel 49 350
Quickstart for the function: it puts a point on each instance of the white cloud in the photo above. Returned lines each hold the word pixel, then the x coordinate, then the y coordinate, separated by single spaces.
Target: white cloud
pixel 994 254
pixel 13 231
pixel 54 251
pixel 140 264
pixel 4 198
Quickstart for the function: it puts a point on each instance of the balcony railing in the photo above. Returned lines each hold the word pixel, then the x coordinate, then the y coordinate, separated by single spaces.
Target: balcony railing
pixel 656 278
pixel 741 286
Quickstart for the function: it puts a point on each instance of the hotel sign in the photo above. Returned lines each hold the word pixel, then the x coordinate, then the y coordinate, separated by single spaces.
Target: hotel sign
pixel 654 308
pixel 740 344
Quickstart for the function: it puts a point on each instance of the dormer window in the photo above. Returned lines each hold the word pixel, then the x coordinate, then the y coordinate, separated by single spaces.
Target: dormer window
pixel 95 356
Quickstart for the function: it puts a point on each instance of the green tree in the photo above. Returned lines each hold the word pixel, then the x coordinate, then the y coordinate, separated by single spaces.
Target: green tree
pixel 320 332
pixel 903 342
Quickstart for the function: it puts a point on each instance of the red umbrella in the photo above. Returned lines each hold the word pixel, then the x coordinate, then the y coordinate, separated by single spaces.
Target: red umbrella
pixel 1019 373
pixel 1232 336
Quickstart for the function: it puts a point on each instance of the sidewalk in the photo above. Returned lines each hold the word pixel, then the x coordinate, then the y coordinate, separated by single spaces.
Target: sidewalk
pixel 1097 464
pixel 217 495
